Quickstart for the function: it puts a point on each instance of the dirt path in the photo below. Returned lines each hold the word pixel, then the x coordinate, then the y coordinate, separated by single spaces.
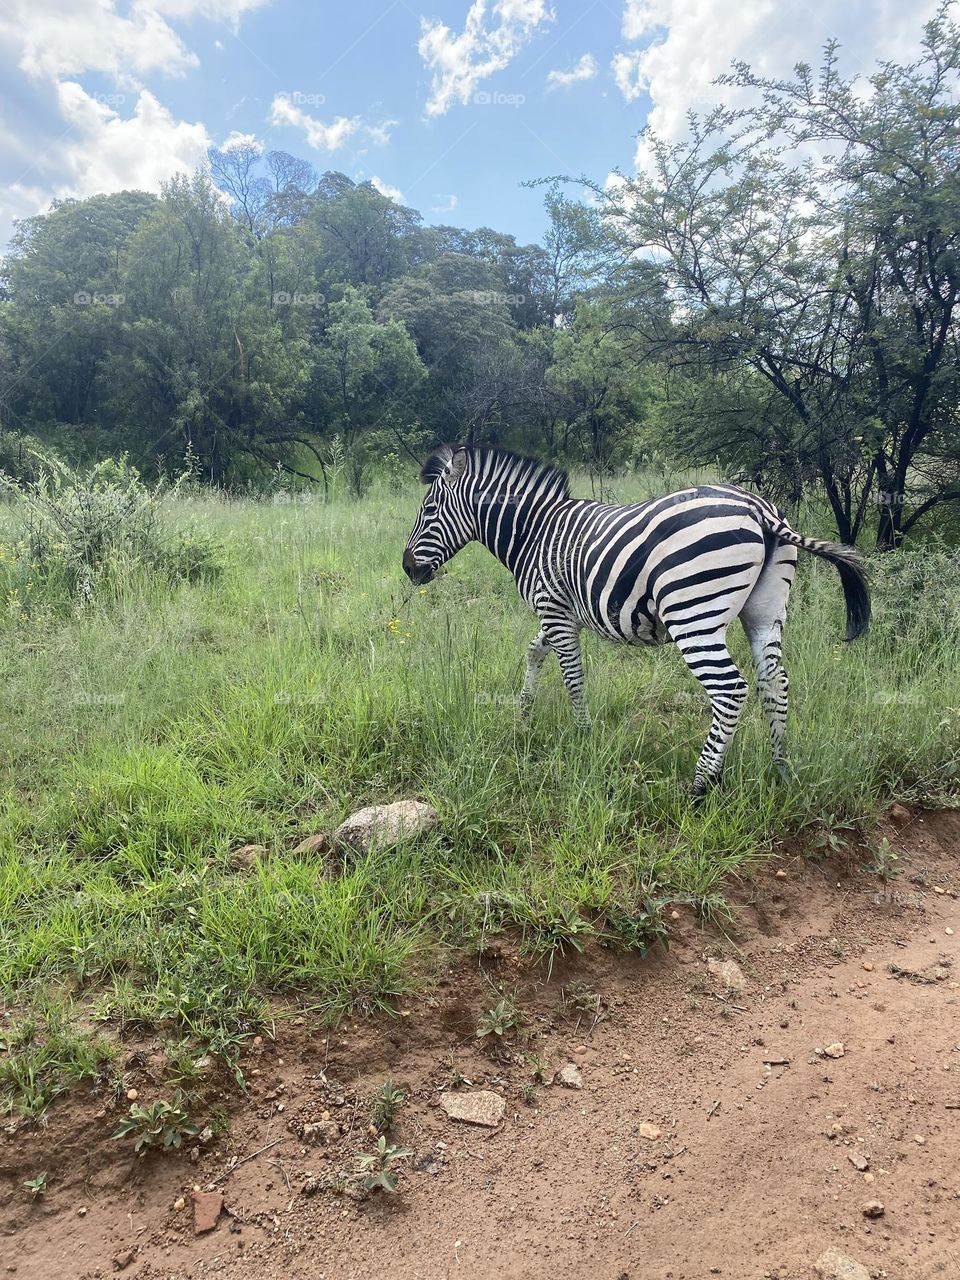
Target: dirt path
pixel 760 1154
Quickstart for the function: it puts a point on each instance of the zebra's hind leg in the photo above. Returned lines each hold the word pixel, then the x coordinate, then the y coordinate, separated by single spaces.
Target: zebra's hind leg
pixel 709 659
pixel 536 654
pixel 763 617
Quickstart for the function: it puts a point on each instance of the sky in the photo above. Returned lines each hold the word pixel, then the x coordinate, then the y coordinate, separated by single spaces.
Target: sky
pixel 447 105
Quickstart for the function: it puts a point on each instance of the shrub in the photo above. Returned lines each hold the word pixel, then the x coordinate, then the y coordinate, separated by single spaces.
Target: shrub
pixel 84 535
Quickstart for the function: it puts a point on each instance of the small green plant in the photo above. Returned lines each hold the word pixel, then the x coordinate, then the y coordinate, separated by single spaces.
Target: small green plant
pixel 497 1024
pixel 37 1186
pixel 883 861
pixel 387 1101
pixel 162 1124
pixel 542 1071
pixel 528 1093
pixel 378 1166
pixel 637 927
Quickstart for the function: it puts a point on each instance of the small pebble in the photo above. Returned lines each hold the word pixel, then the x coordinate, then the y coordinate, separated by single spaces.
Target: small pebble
pixel 132 1095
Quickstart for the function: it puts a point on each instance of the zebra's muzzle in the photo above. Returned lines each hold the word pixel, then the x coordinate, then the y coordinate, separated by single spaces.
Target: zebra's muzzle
pixel 417 573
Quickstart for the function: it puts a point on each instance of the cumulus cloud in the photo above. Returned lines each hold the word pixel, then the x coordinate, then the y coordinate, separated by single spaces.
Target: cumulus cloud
pixel 628 73
pixel 385 189
pixel 459 62
pixel 585 69
pixel 688 43
pixel 83 144
pixel 447 203
pixel 109 153
pixel 327 137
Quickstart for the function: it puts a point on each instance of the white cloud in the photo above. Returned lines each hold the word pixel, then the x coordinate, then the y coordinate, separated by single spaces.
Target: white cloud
pixel 380 134
pixel 628 72
pixel 109 153
pixel 688 43
pixel 52 39
pixel 461 62
pixel 447 203
pixel 327 137
pixel 585 69
pixel 385 189
pixel 236 139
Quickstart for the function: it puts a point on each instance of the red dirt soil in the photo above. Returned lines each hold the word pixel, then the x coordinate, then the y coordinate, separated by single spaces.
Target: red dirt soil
pixel 760 1154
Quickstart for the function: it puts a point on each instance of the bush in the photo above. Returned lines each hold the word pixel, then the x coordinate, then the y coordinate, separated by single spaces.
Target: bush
pixel 84 535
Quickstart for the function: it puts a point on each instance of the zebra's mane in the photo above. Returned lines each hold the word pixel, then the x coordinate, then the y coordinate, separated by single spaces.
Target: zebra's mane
pixel 503 465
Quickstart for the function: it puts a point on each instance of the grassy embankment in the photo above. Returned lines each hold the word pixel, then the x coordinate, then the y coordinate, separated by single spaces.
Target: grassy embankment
pixel 161 727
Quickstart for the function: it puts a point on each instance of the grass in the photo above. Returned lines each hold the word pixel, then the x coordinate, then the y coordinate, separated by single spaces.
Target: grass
pixel 165 725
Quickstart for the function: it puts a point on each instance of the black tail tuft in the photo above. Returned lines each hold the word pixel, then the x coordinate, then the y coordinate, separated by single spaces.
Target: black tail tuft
pixel 853 579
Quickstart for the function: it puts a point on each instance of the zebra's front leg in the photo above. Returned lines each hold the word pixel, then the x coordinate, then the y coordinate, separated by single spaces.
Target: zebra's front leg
pixel 565 642
pixel 536 654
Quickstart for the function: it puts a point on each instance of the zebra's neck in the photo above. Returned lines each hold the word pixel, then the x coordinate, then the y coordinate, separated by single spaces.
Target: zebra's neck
pixel 511 498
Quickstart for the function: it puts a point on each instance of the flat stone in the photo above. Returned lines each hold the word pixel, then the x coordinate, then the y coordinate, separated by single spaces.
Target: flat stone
pixel 569 1076
pixel 484 1107
pixel 729 973
pixel 649 1131
pixel 318 843
pixel 243 859
pixel 859 1162
pixel 206 1210
pixel 834 1265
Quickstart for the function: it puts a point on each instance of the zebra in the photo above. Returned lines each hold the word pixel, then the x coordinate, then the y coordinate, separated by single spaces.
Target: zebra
pixel 680 567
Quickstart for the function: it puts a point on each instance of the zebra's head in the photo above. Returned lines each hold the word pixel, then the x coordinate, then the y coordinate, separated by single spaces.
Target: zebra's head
pixel 444 523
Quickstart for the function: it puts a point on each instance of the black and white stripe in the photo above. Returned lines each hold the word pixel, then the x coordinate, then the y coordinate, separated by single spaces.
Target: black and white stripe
pixel 678 568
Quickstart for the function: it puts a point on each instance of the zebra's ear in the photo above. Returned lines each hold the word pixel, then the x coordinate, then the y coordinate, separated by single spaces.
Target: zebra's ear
pixel 456 468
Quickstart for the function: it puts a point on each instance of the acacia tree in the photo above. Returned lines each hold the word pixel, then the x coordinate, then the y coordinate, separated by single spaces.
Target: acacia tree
pixel 811 242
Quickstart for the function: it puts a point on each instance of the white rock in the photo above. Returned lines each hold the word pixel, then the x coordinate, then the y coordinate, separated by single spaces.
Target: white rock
pixel 383 825
pixel 569 1076
pixel 834 1265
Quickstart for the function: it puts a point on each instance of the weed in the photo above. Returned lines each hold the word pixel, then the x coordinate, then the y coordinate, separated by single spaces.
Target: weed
pixel 378 1166
pixel 37 1186
pixel 883 861
pixel 160 1125
pixel 498 1023
pixel 387 1101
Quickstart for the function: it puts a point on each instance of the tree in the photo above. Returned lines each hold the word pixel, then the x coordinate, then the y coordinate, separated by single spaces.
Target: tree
pixel 597 390
pixel 812 239
pixel 365 379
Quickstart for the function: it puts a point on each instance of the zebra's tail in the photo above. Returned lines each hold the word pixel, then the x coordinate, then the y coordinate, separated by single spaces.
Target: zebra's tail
pixel 848 562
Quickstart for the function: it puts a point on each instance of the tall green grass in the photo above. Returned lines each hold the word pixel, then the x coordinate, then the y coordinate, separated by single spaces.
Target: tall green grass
pixel 163 725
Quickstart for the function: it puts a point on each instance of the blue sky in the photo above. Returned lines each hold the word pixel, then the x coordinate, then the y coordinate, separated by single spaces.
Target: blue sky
pixel 450 104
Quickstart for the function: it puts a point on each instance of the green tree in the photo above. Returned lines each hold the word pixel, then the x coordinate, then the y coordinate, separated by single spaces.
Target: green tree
pixel 366 376
pixel 812 240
